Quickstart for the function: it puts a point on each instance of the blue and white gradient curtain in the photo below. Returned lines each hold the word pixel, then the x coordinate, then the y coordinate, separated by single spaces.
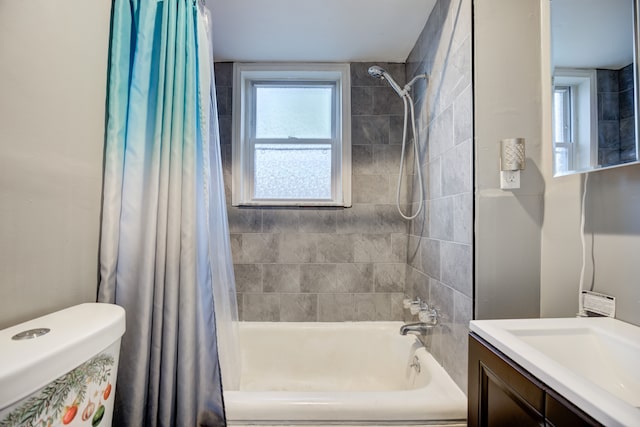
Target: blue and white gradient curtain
pixel 165 254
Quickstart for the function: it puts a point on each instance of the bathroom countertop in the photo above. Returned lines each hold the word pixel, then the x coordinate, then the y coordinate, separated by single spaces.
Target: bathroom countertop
pixel 592 362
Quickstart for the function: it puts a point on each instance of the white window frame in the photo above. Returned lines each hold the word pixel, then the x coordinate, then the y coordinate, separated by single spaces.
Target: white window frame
pixel 568 132
pixel 244 77
pixel 584 117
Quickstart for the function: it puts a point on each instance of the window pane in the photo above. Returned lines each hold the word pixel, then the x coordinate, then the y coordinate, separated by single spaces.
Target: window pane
pixel 290 111
pixel 561 159
pixel 562 114
pixel 292 171
pixel 558 116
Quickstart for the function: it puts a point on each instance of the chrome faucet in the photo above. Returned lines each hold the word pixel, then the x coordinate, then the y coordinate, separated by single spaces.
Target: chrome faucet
pixel 427 316
pixel 418 328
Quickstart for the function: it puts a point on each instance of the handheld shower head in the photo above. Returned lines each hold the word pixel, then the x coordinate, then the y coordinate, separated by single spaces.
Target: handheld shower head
pixel 376 72
pixel 380 73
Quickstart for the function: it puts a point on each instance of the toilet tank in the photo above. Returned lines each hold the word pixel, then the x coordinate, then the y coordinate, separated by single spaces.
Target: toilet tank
pixel 61 369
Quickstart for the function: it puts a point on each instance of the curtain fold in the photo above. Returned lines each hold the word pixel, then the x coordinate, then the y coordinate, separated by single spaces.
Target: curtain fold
pixel 157 256
pixel 224 289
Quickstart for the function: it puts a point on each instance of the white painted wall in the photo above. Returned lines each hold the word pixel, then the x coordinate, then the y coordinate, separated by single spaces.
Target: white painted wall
pixel 53 63
pixel 612 234
pixel 507 104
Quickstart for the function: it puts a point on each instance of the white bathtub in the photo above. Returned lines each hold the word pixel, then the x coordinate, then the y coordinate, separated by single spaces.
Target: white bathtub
pixel 339 373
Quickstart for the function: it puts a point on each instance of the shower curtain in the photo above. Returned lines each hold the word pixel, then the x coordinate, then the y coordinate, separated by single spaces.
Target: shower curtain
pixel 165 253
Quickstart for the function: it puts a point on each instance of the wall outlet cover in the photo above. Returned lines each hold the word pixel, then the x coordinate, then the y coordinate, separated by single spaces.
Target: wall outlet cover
pixel 599 304
pixel 509 180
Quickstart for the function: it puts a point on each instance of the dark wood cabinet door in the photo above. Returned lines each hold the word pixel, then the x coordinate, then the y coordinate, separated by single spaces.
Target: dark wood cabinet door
pixel 560 412
pixel 502 394
pixel 499 394
pixel 502 406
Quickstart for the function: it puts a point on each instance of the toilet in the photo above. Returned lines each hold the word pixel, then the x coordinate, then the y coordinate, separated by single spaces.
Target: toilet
pixel 61 369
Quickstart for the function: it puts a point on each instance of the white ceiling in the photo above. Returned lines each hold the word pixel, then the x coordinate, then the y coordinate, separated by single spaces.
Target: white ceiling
pixel 592 33
pixel 316 30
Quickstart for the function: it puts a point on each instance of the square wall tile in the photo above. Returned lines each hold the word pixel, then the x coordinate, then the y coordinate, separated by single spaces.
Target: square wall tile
pixel 248 277
pixel 318 220
pixel 441 218
pixel 370 189
pixel 298 307
pixel 369 307
pixel 369 129
pixel 389 277
pixel 244 220
pixel 296 247
pixel 334 247
pixel 318 278
pixel 280 220
pixel 259 248
pixel 335 307
pixel 354 277
pixel 456 262
pixel 430 253
pixel 261 307
pixel 372 247
pixel 281 278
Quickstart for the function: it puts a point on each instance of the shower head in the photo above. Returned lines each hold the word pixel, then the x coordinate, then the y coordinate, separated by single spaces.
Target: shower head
pixel 380 73
pixel 376 72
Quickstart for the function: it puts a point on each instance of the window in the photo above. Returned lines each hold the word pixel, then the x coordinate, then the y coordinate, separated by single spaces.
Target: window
pixel 562 129
pixel 575 120
pixel 291 135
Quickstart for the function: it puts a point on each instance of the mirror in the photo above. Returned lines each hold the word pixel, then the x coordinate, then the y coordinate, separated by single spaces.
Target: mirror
pixel 595 99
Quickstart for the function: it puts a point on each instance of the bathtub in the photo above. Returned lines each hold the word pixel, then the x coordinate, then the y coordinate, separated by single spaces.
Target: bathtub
pixel 355 373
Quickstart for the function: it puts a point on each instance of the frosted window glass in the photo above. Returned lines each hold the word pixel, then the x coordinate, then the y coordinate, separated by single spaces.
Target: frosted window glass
pixel 561 159
pixel 292 171
pixel 562 114
pixel 289 111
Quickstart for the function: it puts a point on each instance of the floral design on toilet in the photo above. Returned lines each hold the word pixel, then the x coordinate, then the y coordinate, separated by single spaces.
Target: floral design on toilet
pixel 80 397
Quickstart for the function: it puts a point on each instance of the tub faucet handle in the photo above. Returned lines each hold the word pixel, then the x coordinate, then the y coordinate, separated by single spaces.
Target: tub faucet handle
pixel 408 302
pixel 419 308
pixel 428 316
pixel 413 305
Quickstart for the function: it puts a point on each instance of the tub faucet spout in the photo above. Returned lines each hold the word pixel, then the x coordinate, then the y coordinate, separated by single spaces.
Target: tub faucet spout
pixel 418 328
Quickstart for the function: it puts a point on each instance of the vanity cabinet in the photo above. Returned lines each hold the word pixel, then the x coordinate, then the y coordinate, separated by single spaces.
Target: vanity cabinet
pixel 502 393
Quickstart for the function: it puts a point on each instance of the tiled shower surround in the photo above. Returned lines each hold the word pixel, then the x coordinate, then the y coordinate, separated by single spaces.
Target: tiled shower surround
pixel 314 264
pixel 440 243
pixel 616 122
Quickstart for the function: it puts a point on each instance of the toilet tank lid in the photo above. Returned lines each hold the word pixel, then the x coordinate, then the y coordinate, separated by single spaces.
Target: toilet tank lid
pixel 76 334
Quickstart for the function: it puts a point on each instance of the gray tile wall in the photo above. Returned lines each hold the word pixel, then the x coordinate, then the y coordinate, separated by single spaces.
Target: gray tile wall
pixel 439 256
pixel 314 264
pixel 616 121
pixel 627 114
pixel 608 117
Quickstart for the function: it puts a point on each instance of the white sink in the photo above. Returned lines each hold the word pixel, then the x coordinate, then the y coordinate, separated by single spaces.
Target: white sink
pixel 593 362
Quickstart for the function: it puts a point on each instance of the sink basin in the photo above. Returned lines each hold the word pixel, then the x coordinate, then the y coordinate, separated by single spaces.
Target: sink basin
pixel 604 359
pixel 593 362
